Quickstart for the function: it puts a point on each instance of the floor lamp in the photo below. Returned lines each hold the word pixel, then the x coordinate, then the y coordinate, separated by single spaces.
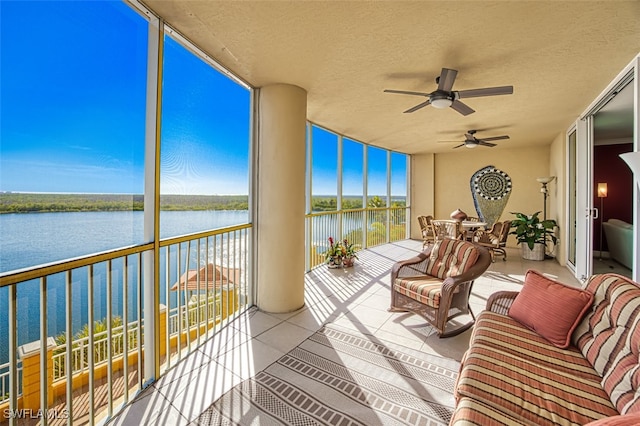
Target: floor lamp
pixel 545 181
pixel 545 191
pixel 602 194
pixel 633 161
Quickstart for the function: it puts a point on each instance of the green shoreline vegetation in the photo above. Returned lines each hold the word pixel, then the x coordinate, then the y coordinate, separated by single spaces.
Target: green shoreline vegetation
pixel 15 202
pixel 49 203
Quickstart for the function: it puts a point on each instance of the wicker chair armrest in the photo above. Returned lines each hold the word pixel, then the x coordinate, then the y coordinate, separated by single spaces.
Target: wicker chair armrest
pixel 482 264
pixel 501 301
pixel 415 266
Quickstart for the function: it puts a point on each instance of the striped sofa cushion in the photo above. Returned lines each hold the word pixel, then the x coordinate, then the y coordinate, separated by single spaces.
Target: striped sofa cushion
pixel 510 368
pixel 451 257
pixel 524 389
pixel 609 337
pixel 425 289
pixel 508 335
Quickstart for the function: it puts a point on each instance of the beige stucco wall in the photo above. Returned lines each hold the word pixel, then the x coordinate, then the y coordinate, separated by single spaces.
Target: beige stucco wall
pixel 422 200
pixel 281 198
pixel 557 207
pixel 452 172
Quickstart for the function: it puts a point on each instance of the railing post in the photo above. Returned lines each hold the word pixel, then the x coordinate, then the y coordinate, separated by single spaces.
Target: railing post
pixel 29 353
pixel 365 227
pixel 163 330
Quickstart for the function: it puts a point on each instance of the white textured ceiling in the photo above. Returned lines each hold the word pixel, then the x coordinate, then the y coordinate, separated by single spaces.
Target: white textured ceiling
pixel 558 55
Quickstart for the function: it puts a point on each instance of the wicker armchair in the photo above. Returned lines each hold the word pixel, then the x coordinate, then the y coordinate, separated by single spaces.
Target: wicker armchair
pixel 427 230
pixel 495 239
pixel 437 283
pixel 448 229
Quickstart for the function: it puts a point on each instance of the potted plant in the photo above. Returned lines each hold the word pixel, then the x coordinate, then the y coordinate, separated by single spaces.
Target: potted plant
pixel 348 253
pixel 333 255
pixel 532 233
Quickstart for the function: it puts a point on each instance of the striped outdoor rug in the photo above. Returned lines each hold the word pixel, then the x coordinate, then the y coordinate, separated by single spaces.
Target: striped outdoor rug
pixel 339 377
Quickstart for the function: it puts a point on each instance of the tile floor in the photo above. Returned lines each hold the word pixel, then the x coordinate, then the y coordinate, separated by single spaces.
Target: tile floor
pixel 356 298
pixel 606 264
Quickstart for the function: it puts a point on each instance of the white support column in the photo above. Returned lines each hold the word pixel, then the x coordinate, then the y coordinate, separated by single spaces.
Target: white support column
pixel 388 201
pixel 408 197
pixel 151 312
pixel 309 229
pixel 365 188
pixel 339 188
pixel 281 198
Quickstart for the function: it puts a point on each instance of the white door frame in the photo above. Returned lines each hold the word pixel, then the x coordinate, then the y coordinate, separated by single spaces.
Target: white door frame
pixel 570 176
pixel 584 207
pixel 584 169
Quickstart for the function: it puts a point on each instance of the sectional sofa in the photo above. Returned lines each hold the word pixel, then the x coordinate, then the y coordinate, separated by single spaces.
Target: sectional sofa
pixel 554 355
pixel 619 235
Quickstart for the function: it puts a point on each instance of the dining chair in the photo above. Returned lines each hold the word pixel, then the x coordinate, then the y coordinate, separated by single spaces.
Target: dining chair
pixel 427 230
pixel 494 239
pixel 448 229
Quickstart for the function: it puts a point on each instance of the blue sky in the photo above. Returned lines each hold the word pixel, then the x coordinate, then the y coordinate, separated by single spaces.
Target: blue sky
pixel 325 167
pixel 73 90
pixel 72 97
pixel 72 116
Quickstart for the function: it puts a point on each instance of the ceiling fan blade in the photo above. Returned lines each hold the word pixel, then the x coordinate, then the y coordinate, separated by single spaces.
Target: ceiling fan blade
pixel 462 108
pixel 472 126
pixel 458 146
pixel 488 91
pixel 417 107
pixel 483 143
pixel 446 79
pixel 405 92
pixel 496 138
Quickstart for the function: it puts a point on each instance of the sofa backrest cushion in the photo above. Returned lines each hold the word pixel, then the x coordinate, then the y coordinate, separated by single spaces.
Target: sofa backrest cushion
pixel 550 308
pixel 451 257
pixel 609 337
pixel 620 223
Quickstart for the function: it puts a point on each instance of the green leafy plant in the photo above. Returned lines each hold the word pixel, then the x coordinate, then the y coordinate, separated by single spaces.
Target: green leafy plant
pixel 340 249
pixel 334 250
pixel 349 249
pixel 530 229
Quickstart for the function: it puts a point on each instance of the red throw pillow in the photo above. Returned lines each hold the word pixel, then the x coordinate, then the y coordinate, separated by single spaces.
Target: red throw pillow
pixel 550 308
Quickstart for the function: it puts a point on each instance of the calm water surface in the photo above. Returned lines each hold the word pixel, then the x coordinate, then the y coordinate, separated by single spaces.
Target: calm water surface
pixel 39 238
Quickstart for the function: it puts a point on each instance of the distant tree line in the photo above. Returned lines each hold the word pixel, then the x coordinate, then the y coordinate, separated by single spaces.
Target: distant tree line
pixel 329 203
pixel 33 203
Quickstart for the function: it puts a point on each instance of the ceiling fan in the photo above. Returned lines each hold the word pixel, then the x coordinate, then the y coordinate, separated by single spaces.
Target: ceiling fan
pixel 444 97
pixel 471 141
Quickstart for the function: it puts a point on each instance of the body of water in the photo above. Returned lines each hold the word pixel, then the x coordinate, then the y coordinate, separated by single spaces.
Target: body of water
pixel 33 239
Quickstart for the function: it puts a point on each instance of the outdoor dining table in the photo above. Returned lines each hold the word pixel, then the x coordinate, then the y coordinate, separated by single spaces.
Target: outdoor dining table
pixel 470 227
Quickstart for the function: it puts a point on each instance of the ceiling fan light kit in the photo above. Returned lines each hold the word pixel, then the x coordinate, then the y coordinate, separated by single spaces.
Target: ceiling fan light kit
pixel 441 101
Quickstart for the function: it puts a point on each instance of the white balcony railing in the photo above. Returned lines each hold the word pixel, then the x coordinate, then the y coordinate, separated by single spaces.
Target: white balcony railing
pixel 89 368
pixel 364 227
